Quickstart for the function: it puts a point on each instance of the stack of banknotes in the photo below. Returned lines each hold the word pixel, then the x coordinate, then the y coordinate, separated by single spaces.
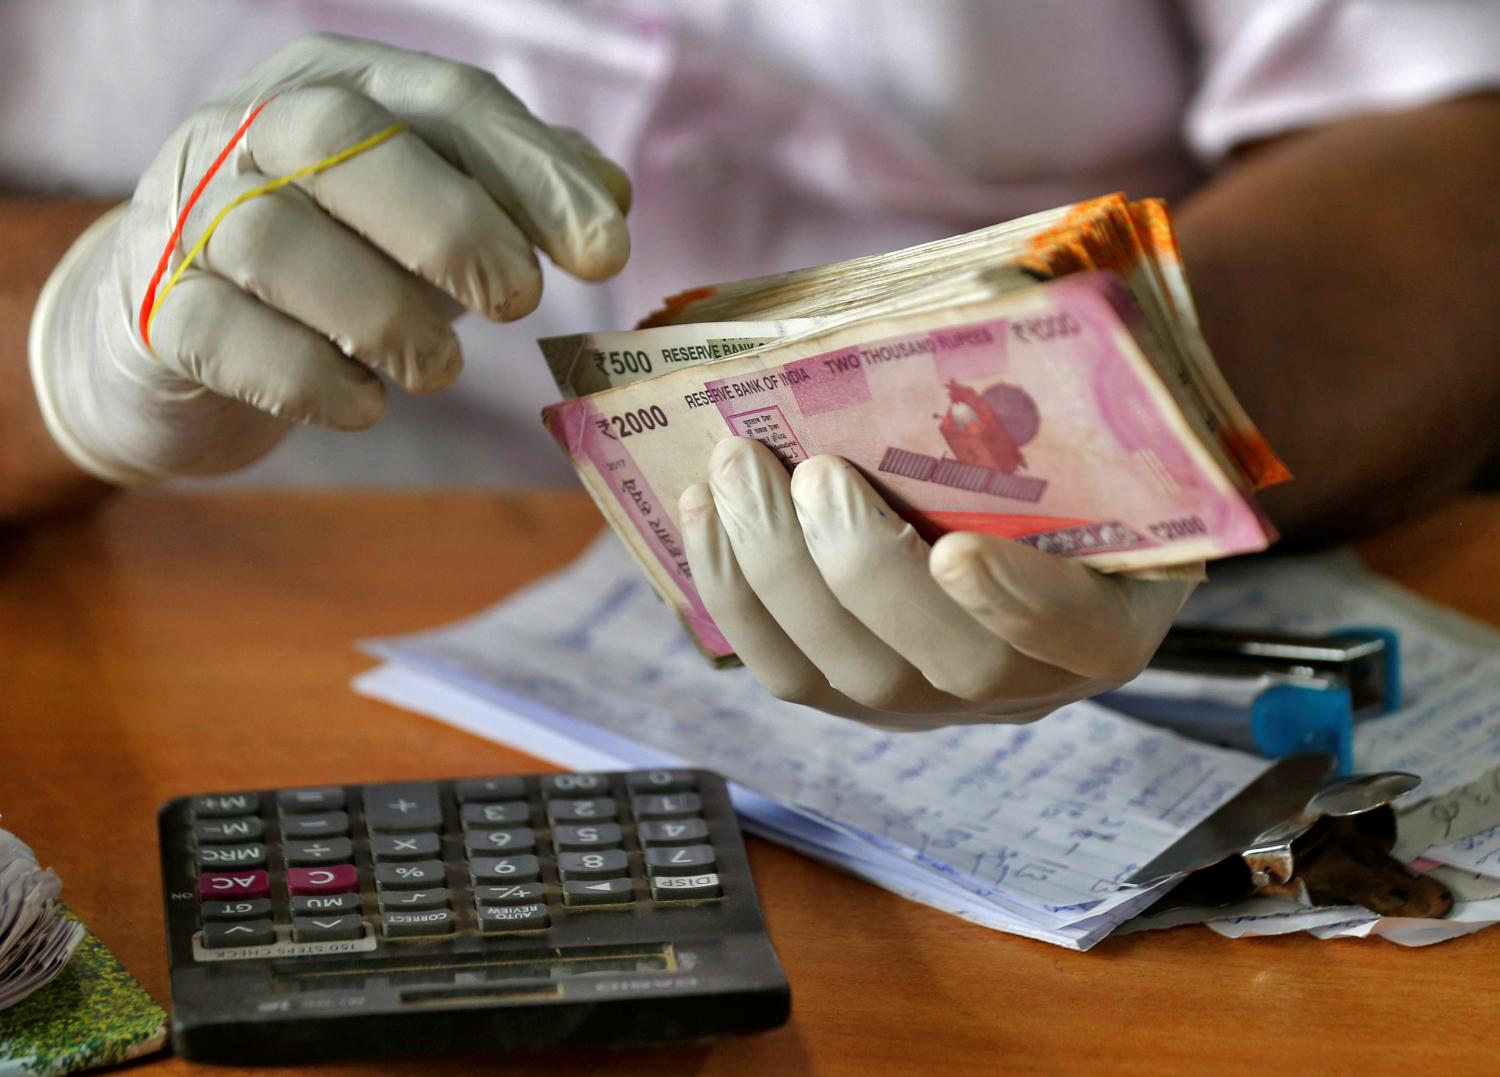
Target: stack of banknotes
pixel 1043 380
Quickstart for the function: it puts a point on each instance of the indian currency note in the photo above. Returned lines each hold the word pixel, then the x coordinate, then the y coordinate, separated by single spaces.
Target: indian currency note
pixel 1034 415
pixel 586 363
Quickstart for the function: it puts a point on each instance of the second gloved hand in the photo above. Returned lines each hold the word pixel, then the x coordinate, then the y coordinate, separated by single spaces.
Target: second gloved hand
pixel 834 601
pixel 421 188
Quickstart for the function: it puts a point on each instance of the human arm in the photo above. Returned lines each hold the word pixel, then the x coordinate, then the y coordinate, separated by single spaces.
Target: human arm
pixel 36 477
pixel 324 220
pixel 1346 280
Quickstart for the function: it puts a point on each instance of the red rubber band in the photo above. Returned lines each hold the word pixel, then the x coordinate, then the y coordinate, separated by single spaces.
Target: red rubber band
pixel 166 254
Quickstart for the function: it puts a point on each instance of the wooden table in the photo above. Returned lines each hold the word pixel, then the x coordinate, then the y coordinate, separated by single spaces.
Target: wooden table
pixel 166 645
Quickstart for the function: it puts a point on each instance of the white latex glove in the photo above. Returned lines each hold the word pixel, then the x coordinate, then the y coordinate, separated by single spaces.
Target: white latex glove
pixel 306 298
pixel 835 602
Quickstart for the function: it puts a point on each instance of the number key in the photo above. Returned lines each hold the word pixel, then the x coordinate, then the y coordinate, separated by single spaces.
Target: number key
pixel 572 785
pixel 672 806
pixel 682 860
pixel 600 865
pixel 505 813
pixel 519 840
pixel 674 832
pixel 575 811
pixel 505 869
pixel 661 781
pixel 589 836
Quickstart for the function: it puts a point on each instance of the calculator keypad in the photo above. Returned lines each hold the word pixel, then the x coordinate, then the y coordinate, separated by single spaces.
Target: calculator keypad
pixel 422 860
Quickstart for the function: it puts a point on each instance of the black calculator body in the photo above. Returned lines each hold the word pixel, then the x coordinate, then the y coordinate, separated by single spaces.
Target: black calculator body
pixel 467 915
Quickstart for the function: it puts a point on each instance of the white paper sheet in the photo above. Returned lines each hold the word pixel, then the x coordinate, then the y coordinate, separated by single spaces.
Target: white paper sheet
pixel 1028 828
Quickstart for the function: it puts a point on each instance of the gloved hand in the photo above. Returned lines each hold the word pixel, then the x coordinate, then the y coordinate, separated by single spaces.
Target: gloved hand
pixel 305 298
pixel 833 601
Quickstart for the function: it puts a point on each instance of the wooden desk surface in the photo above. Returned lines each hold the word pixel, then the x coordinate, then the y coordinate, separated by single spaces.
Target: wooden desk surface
pixel 170 645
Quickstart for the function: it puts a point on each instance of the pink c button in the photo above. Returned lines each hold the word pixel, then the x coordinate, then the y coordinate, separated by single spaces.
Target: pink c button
pixel 339 879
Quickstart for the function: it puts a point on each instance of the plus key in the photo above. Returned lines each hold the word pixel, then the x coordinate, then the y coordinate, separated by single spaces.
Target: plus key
pixel 403 806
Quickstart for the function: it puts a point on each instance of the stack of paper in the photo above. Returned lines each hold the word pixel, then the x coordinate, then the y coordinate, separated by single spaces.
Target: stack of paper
pixel 35 939
pixel 1022 828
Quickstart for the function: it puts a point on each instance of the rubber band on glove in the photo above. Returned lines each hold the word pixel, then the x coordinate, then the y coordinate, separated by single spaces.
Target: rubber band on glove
pixel 835 602
pixel 419 188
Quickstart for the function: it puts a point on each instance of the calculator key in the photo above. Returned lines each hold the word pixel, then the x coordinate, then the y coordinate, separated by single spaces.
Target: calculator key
pixel 589 836
pixel 327 928
pixel 243 828
pixel 328 824
pixel 255 909
pixel 685 887
pixel 515 869
pixel 573 785
pixel 508 894
pixel 505 813
pixel 407 900
pixel 322 799
pixel 222 804
pixel 484 790
pixel 325 904
pixel 306 854
pixel 671 806
pixel 388 847
pixel 338 879
pixel 405 925
pixel 603 892
pixel 521 839
pixel 403 806
pixel 661 781
pixel 227 857
pixel 681 860
pixel 674 832
pixel 596 865
pixel 416 875
pixel 234 884
pixel 581 811
pixel 513 918
pixel 218 936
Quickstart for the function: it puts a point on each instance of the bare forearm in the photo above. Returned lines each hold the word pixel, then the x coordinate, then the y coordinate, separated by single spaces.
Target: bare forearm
pixel 35 477
pixel 1347 283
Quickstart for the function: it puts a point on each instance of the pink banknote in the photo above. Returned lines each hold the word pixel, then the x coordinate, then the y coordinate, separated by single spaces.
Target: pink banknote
pixel 1034 416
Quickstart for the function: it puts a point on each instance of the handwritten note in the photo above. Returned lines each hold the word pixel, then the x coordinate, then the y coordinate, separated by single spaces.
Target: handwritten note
pixel 1039 822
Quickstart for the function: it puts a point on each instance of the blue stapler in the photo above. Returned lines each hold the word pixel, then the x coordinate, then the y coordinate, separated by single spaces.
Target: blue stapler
pixel 1272 693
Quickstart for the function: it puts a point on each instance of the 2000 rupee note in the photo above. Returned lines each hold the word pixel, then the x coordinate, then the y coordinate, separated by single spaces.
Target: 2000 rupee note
pixel 1035 415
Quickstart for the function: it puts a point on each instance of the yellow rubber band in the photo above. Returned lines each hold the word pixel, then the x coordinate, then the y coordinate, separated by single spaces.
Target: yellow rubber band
pixel 265 188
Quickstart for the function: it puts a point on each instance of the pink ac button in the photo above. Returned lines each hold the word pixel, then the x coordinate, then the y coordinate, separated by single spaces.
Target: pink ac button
pixel 332 880
pixel 222 885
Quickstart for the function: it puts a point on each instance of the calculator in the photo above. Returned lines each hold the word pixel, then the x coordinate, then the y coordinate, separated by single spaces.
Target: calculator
pixel 470 914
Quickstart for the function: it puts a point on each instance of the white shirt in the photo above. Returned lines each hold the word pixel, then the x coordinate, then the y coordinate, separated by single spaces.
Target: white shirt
pixel 760 135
